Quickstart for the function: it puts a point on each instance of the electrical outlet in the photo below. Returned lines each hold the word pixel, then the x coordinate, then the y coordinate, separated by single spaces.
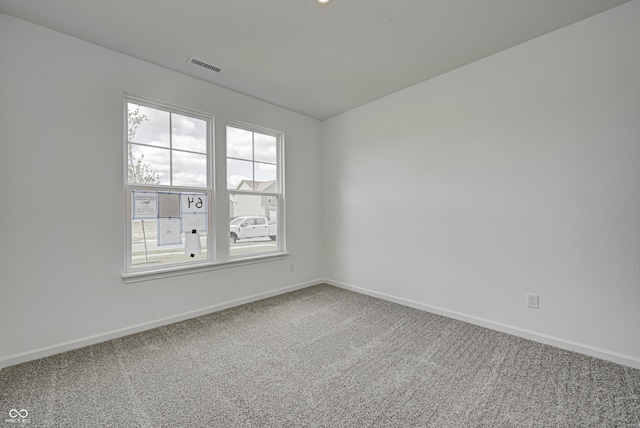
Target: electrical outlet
pixel 533 301
pixel 291 267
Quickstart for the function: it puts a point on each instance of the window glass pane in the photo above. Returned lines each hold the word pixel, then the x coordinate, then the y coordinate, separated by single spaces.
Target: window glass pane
pixel 265 148
pixel 148 165
pixel 148 125
pixel 188 133
pixel 147 248
pixel 253 228
pixel 266 174
pixel 252 165
pixel 189 169
pixel 167 225
pixel 239 175
pixel 239 143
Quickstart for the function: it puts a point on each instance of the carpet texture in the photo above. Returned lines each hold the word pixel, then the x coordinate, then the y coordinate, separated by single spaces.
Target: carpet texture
pixel 320 357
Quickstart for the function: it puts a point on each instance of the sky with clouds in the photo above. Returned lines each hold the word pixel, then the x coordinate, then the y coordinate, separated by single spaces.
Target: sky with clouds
pixel 250 155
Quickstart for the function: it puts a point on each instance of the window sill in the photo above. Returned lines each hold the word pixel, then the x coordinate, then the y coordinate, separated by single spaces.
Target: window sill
pixel 149 275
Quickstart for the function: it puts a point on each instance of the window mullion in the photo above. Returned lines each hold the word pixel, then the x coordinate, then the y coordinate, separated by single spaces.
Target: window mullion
pixel 253 158
pixel 170 149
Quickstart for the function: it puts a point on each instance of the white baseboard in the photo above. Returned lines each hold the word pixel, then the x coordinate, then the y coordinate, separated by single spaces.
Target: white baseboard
pixel 23 357
pixel 558 342
pixel 604 354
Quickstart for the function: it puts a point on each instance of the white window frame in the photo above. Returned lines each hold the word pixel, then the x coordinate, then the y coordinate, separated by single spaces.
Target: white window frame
pixel 217 256
pixel 209 190
pixel 279 194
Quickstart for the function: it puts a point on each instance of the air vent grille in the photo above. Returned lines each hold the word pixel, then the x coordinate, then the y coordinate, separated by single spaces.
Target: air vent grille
pixel 199 63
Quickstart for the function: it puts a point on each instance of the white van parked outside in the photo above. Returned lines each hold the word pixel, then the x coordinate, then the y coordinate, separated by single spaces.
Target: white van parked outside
pixel 252 227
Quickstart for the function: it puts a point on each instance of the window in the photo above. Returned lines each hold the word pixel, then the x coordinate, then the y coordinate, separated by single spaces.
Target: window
pixel 168 186
pixel 255 190
pixel 170 196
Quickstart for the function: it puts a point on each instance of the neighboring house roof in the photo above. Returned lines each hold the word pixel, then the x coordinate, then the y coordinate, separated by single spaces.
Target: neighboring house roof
pixel 260 186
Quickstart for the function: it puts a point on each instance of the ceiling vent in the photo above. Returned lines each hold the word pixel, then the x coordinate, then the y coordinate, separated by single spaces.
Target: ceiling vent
pixel 199 63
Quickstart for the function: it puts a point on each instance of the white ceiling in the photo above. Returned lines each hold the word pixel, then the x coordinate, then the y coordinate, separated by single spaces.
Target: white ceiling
pixel 319 60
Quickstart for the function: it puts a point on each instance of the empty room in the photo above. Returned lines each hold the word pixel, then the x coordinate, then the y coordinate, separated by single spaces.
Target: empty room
pixel 343 213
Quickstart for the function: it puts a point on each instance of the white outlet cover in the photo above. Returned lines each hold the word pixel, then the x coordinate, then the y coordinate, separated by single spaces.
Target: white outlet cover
pixel 533 301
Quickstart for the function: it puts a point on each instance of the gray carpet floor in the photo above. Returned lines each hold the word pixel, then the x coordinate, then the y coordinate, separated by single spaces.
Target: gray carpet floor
pixel 320 357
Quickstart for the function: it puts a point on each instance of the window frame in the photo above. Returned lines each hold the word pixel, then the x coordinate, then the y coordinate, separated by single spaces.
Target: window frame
pixel 218 249
pixel 279 194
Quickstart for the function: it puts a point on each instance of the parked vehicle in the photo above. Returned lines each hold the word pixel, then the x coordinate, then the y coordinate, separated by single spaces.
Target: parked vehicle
pixel 252 227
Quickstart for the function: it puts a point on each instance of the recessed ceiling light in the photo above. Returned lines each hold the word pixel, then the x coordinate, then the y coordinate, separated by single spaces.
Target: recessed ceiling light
pixel 323 1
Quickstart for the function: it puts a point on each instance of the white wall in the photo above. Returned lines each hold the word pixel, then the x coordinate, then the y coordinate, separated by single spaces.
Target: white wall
pixel 518 173
pixel 61 172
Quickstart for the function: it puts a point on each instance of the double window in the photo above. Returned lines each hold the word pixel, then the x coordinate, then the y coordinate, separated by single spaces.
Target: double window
pixel 171 205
